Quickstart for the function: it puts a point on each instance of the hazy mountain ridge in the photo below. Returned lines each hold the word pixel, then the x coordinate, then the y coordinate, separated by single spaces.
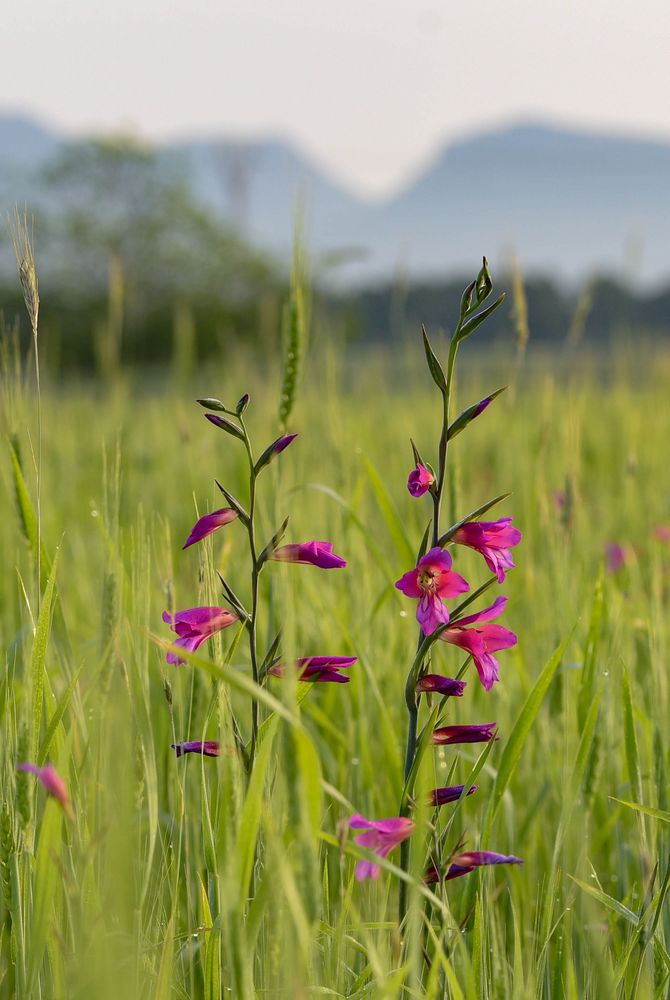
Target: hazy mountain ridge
pixel 564 202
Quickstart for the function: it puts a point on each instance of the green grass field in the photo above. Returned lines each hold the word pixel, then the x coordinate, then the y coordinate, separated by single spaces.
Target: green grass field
pixel 174 878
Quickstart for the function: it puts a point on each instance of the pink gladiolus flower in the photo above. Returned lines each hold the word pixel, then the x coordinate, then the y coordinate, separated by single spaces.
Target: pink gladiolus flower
pixel 208 748
pixel 420 480
pixel 441 685
pixel 318 668
pixel 381 836
pixel 309 553
pixel 50 780
pixel 450 793
pixel 432 580
pixel 493 539
pixel 465 863
pixel 465 734
pixel 662 532
pixel 209 523
pixel 481 642
pixel 195 625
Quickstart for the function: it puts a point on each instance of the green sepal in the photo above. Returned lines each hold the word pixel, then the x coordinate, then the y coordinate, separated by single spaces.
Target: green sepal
pixel 270 655
pixel 272 544
pixel 234 599
pixel 466 299
pixel 213 404
pixel 433 364
pixel 242 404
pixel 228 426
pixel 471 325
pixel 469 414
pixel 423 547
pixel 484 283
pixel 234 503
pixel 473 515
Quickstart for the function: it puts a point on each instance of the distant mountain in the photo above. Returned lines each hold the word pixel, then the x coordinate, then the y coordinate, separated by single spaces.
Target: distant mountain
pixel 260 186
pixel 25 143
pixel 563 202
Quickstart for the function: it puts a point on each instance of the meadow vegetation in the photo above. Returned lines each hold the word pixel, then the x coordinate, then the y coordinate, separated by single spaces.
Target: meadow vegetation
pixel 180 878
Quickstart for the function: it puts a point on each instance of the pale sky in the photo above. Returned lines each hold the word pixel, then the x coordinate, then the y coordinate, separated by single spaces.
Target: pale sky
pixel 368 88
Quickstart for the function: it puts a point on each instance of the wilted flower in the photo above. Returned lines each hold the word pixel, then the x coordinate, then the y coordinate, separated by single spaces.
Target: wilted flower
pixel 318 668
pixel 441 685
pixel 309 553
pixel 432 580
pixel 483 641
pixel 195 625
pixel 50 780
pixel 441 796
pixel 208 748
pixel 493 539
pixel 465 734
pixel 380 836
pixel 420 480
pixel 209 523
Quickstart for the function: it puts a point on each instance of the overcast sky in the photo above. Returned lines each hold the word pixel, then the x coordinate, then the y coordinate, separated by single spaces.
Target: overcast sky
pixel 369 88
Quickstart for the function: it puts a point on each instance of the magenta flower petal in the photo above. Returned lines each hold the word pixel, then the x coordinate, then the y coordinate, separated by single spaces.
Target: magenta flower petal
pixel 432 581
pixel 484 733
pixel 486 614
pixel 450 793
pixel 420 480
pixel 493 539
pixel 309 553
pixel 380 836
pixel 209 523
pixel 482 640
pixel 318 668
pixel 465 863
pixel 50 779
pixel 195 625
pixel 208 748
pixel 441 685
pixel 274 449
pixel 282 442
pixel 339 662
pixel 431 613
pixel 436 560
pixel 408 584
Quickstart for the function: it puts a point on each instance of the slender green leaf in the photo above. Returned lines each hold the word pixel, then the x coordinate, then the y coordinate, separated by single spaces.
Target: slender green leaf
pixel 247 834
pixel 434 365
pixel 517 738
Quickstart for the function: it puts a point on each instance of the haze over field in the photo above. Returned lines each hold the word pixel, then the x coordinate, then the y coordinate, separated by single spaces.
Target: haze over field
pixel 565 202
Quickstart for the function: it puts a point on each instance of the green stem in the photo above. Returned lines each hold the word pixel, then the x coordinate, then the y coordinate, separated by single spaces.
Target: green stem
pixel 255 570
pixel 411 699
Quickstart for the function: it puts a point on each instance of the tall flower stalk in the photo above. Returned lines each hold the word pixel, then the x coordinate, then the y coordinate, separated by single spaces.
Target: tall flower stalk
pixel 433 580
pixel 196 625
